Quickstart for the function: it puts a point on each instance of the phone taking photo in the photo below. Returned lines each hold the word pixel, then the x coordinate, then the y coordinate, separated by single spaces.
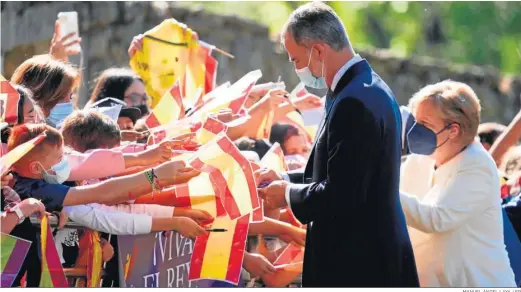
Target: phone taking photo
pixel 69 24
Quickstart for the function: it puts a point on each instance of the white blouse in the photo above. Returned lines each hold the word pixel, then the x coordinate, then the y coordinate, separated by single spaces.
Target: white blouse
pixel 455 220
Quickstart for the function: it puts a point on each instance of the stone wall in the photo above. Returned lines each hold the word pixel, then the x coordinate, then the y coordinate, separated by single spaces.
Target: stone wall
pixel 107 28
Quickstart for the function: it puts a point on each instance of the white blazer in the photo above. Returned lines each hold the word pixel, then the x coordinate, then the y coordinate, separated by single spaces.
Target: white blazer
pixel 455 220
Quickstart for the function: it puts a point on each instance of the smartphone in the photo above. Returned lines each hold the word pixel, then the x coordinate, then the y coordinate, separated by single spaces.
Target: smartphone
pixel 69 24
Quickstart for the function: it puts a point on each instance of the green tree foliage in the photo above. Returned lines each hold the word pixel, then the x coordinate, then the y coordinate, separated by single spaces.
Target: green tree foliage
pixel 481 33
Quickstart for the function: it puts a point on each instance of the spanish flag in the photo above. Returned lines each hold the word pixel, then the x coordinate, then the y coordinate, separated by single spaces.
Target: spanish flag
pixel 52 271
pixel 290 259
pixel 209 96
pixel 172 130
pixel 7 160
pixel 274 159
pixel 13 251
pixel 295 118
pixel 169 109
pixel 264 130
pixel 211 128
pixel 258 214
pixel 164 57
pixel 232 98
pixel 9 98
pixel 198 193
pixel 201 72
pixel 91 245
pixel 232 174
pixel 219 255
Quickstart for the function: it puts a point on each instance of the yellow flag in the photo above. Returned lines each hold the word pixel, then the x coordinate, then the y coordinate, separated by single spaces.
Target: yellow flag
pixel 163 59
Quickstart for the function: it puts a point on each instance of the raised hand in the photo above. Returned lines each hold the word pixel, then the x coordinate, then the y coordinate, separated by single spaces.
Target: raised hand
pixel 63 46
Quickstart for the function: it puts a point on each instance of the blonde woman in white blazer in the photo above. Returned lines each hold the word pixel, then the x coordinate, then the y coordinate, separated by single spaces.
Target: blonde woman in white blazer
pixel 449 191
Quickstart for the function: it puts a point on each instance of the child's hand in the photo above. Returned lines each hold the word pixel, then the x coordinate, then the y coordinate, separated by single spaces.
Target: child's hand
pixel 294 235
pixel 200 216
pixel 257 265
pixel 107 251
pixel 188 227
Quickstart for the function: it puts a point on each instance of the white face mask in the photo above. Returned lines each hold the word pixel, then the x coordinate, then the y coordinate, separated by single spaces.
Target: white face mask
pixel 62 170
pixel 295 158
pixel 307 77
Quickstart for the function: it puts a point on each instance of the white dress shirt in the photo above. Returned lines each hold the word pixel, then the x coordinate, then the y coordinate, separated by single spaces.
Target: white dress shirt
pixel 355 59
pixel 455 220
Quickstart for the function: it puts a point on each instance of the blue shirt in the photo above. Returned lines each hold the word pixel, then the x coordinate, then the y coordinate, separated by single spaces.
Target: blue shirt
pixel 51 195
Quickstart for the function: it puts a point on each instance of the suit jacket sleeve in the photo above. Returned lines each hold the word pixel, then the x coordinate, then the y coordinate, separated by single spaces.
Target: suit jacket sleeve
pixel 296 176
pixel 354 136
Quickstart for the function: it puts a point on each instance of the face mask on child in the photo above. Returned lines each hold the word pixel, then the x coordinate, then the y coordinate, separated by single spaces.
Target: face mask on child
pixel 62 170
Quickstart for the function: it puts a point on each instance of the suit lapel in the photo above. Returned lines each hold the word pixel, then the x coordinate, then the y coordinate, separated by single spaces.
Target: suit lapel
pixel 342 83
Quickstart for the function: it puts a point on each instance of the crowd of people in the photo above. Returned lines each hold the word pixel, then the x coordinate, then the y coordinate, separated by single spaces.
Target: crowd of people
pixel 459 177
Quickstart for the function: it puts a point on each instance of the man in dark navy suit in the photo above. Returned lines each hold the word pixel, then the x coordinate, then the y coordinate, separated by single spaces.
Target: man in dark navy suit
pixel 348 193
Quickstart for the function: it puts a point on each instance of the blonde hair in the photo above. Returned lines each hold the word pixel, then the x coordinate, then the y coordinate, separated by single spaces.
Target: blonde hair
pixel 456 102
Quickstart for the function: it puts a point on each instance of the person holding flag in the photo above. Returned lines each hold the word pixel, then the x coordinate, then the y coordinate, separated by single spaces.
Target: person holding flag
pixel 348 194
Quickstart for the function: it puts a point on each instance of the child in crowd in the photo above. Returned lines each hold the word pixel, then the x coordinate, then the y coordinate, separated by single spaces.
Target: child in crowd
pixel 40 174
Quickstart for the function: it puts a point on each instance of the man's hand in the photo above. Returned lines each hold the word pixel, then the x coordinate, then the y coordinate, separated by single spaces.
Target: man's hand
pixel 32 206
pixel 274 194
pixel 61 46
pixel 131 136
pixel 266 176
pixel 257 265
pixel 307 102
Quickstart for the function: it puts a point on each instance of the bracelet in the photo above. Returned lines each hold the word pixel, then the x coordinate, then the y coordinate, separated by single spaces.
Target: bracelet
pixel 152 179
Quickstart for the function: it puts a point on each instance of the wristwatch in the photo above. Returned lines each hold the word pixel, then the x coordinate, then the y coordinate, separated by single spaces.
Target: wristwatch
pixel 15 208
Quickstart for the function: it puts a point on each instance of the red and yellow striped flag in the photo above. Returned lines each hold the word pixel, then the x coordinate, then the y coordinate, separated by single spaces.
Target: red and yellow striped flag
pixel 172 130
pixel 90 245
pixel 169 109
pixel 201 70
pixel 274 159
pixel 9 98
pixel 198 193
pixel 7 160
pixel 290 259
pixel 210 96
pixel 210 129
pixel 219 255
pixel 258 214
pixel 52 271
pixel 264 130
pixel 295 118
pixel 232 98
pixel 232 174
